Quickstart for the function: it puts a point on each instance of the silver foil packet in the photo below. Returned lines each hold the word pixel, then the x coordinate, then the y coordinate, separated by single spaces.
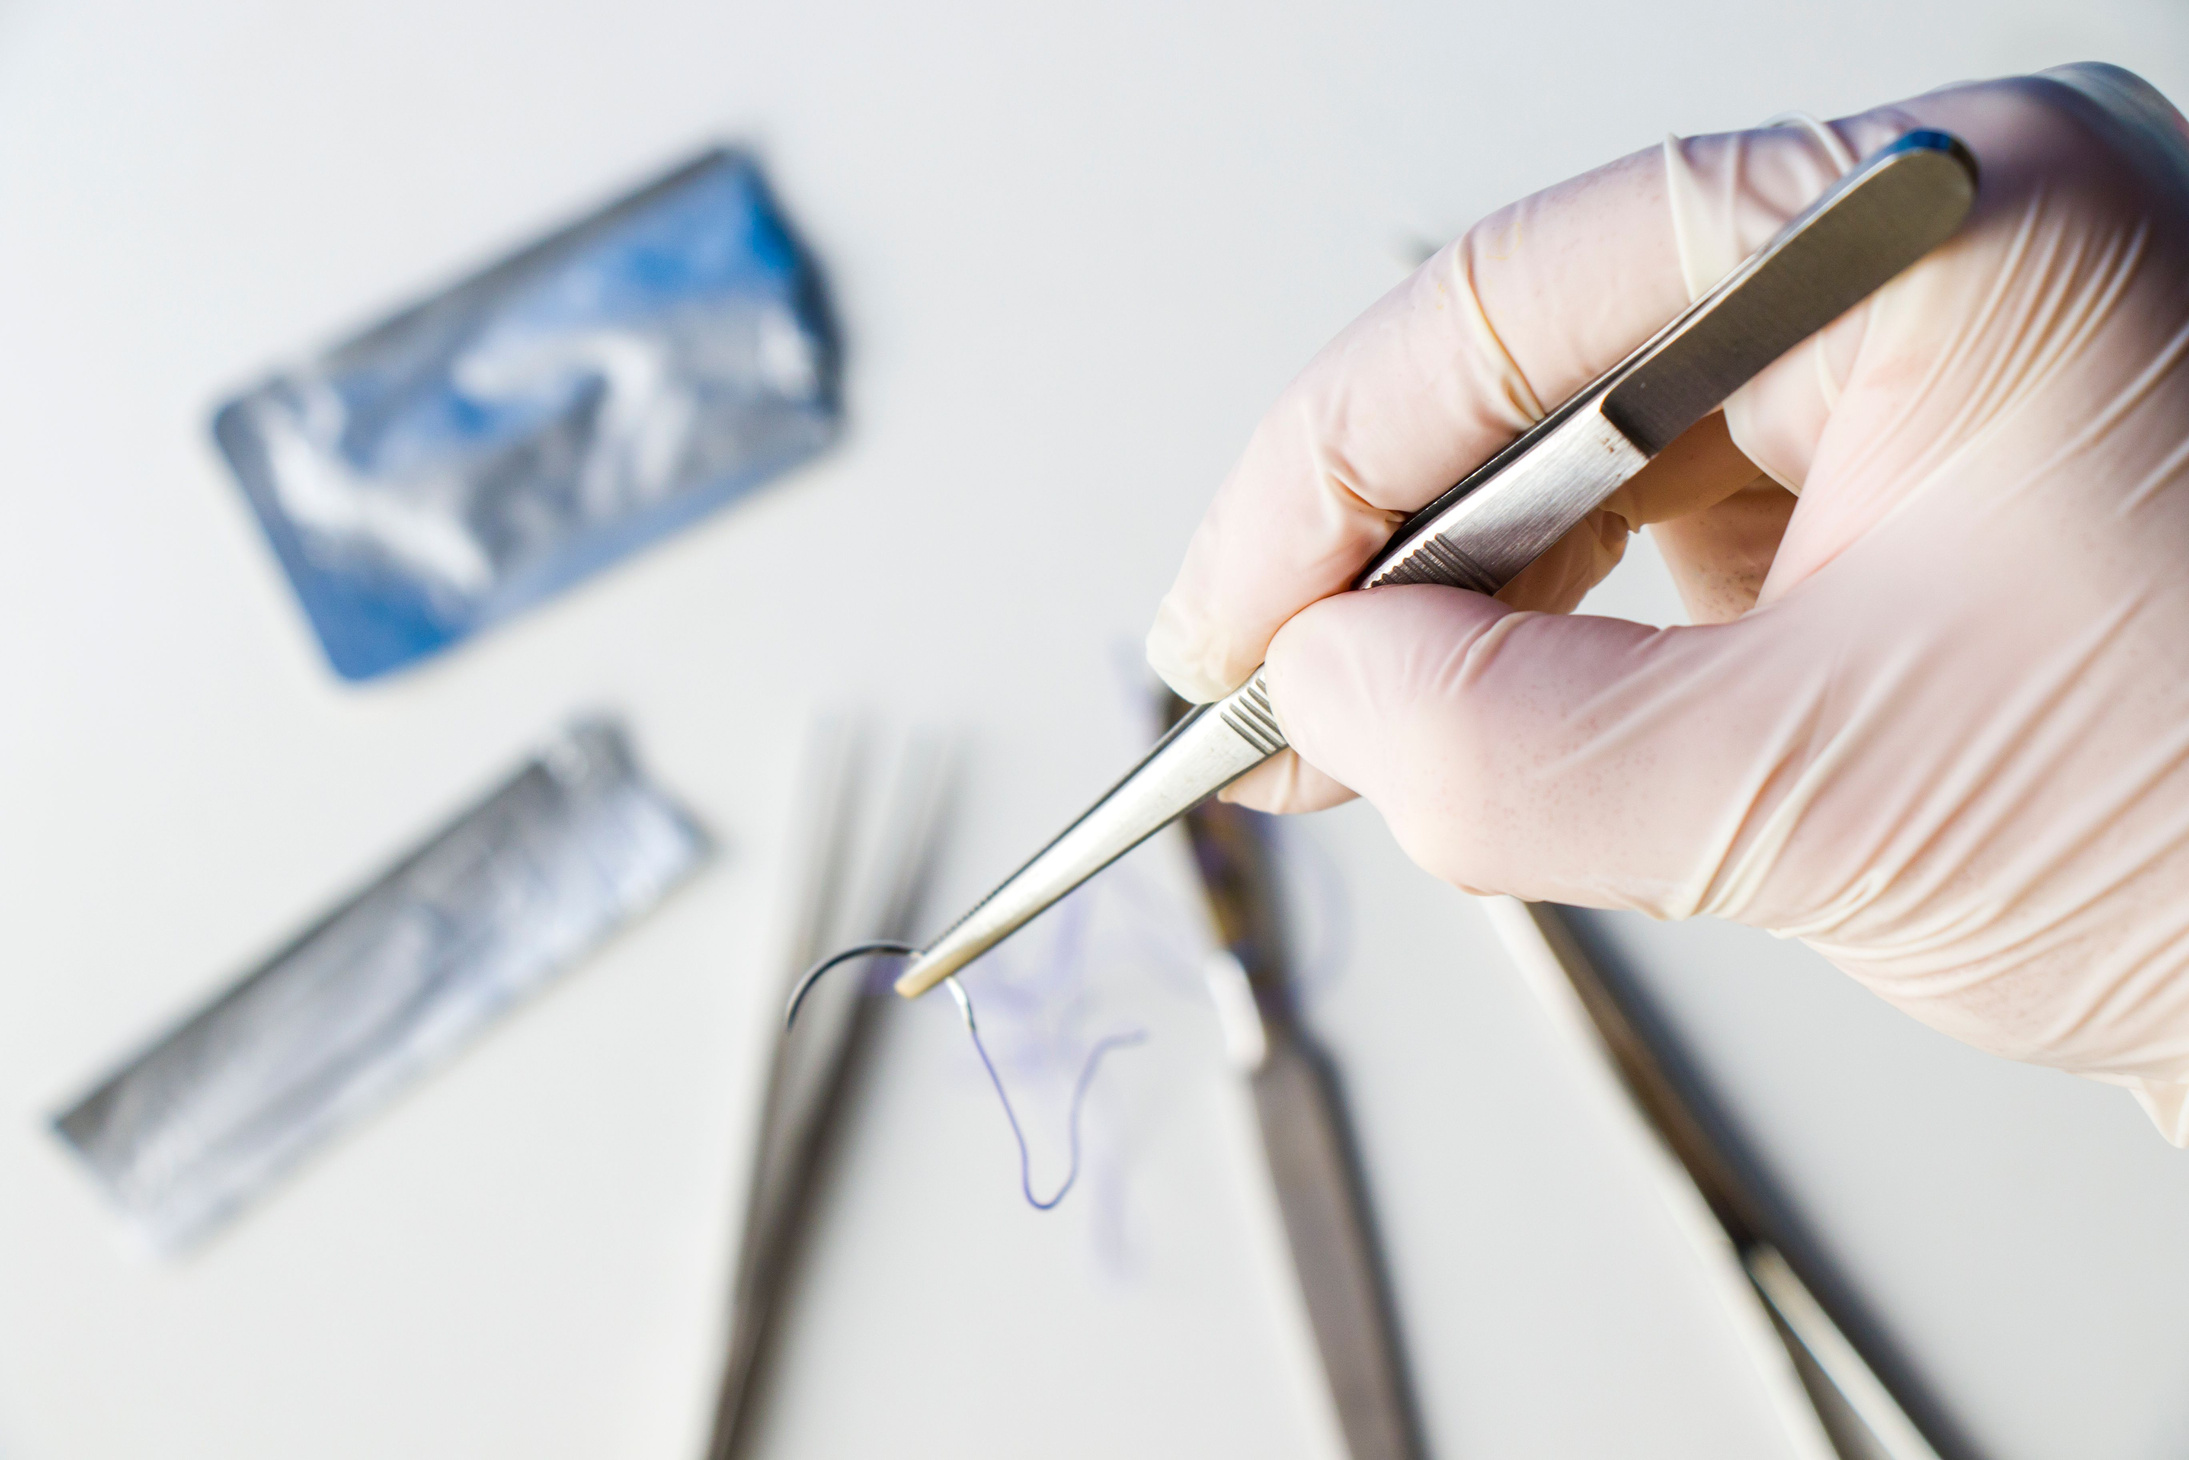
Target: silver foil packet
pixel 386 986
pixel 497 441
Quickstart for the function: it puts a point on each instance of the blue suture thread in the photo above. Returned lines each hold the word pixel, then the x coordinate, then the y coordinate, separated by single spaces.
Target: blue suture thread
pixel 888 947
pixel 1079 1098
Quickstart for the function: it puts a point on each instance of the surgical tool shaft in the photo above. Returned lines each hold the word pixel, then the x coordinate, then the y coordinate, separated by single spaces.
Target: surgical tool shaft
pixel 1892 209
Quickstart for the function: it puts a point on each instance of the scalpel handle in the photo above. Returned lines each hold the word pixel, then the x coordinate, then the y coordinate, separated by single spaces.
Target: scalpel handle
pixel 1893 208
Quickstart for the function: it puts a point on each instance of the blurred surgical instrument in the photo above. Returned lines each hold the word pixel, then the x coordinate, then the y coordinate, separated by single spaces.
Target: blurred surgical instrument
pixel 1305 1134
pixel 1828 1399
pixel 863 873
pixel 1881 217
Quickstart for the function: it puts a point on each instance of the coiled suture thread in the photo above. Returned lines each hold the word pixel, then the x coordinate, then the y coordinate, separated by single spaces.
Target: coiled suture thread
pixel 889 948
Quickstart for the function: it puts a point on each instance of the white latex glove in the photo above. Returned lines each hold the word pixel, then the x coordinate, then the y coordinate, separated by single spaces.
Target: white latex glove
pixel 1933 718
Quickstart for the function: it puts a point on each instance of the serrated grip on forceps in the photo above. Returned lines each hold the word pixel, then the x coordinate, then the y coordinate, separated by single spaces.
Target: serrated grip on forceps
pixel 1203 753
pixel 1893 208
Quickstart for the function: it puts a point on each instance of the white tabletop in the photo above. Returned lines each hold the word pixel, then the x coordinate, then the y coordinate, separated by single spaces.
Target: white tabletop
pixel 1075 255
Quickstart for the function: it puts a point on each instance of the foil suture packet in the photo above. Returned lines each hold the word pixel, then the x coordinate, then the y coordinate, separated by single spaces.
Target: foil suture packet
pixel 386 986
pixel 487 447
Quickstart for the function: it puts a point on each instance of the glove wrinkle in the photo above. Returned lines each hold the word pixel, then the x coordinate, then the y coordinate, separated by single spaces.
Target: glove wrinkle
pixel 1521 407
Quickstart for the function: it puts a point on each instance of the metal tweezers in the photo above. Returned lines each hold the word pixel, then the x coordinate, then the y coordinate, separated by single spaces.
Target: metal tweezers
pixel 1893 208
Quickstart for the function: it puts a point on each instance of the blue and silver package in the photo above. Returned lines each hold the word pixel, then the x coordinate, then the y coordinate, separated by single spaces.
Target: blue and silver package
pixel 494 443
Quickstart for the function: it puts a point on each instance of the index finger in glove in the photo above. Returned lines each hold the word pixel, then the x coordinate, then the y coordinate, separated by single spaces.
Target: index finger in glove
pixel 1530 305
pixel 1468 352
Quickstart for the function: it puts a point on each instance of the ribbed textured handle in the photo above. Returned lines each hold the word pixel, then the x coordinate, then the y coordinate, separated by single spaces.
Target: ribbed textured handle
pixel 1247 711
pixel 1205 752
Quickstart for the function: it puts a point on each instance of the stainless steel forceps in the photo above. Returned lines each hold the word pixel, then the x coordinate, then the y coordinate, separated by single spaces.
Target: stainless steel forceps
pixel 1893 208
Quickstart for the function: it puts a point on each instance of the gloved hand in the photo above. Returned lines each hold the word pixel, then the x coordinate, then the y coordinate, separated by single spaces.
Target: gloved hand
pixel 1933 715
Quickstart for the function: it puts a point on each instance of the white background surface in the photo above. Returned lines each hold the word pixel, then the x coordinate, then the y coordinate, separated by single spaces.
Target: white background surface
pixel 1075 255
